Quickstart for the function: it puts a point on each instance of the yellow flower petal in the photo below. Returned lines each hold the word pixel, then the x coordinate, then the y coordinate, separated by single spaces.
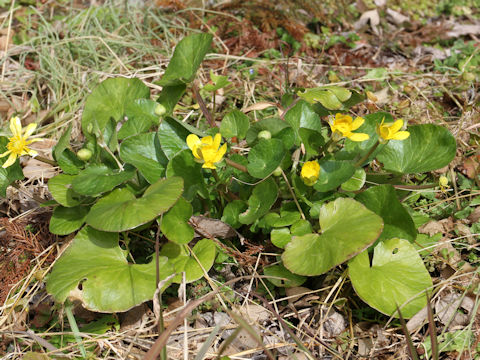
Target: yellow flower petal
pixel 5 153
pixel 29 130
pixel 16 126
pixel 220 153
pixel 10 161
pixel 192 141
pixel 216 140
pixel 358 136
pixel 207 140
pixel 209 165
pixel 357 123
pixel 397 125
pixel 401 135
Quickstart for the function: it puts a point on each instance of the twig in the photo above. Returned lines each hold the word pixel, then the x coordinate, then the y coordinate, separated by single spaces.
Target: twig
pixel 236 165
pixel 203 107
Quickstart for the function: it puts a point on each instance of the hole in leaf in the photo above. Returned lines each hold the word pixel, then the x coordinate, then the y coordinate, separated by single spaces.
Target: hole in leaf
pixel 395 251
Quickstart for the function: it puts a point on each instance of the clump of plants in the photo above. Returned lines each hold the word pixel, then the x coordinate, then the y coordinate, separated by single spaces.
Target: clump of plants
pixel 323 186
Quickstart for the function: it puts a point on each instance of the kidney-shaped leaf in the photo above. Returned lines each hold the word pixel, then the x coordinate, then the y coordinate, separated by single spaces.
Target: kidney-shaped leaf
pixel 97 179
pixel 143 151
pixel 265 157
pixel 60 187
pixel 302 116
pixel 109 282
pixel 140 116
pixel 175 225
pixel 108 100
pixel 235 123
pixel 397 277
pixel 347 227
pixel 121 210
pixel 262 198
pixel 333 174
pixel 66 220
pixel 428 147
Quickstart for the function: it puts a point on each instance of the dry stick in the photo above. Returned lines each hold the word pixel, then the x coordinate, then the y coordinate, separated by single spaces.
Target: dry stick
pixel 203 107
pixel 163 337
pixel 454 183
pixel 161 326
pixel 236 165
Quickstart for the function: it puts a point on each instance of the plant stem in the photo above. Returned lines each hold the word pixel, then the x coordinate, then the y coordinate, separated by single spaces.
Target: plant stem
pixel 213 109
pixel 367 155
pixel 45 160
pixel 74 327
pixel 161 326
pixel 293 195
pixel 236 165
pixel 204 109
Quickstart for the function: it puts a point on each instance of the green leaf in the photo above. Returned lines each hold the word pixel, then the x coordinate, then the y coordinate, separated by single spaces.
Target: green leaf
pixel 10 174
pixel 109 283
pixel 356 182
pixel 330 97
pixel 97 179
pixel 108 100
pixel 60 187
pixel 172 137
pixel 184 165
pixel 140 116
pixel 62 143
pixel 280 237
pixel 170 96
pixel 265 157
pixel 428 147
pixel 333 174
pixel 69 162
pixel 204 251
pixel 312 141
pixel 262 198
pixel 347 227
pixel 235 123
pixel 143 151
pixel 232 211
pixel 186 59
pixel 302 116
pixel 121 210
pixel 279 271
pixel 383 201
pixel 357 149
pixel 397 275
pixel 66 220
pixel 175 223
pixel 218 82
pixel 376 74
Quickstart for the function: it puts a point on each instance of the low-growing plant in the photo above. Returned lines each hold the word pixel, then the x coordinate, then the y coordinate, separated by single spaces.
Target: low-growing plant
pixel 324 193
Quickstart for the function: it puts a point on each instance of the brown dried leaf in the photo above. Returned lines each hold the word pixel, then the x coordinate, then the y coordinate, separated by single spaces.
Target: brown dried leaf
pixel 206 226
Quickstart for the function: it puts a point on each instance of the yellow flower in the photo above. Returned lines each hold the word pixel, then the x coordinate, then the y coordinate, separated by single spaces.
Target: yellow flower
pixel 207 149
pixel 18 144
pixel 310 172
pixel 344 125
pixel 443 183
pixel 391 131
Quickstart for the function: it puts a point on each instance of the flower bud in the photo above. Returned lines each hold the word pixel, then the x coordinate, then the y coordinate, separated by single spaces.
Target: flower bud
pixel 160 110
pixel 264 134
pixel 84 154
pixel 277 171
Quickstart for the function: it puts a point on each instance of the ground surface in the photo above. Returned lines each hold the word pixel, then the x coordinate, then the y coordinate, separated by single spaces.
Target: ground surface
pixel 418 60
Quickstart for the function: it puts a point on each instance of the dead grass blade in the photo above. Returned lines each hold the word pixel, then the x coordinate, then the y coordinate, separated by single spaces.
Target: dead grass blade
pixel 410 347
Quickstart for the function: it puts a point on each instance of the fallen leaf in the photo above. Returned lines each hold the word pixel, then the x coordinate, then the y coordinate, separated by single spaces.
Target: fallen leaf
pixel 206 226
pixel 449 309
pixel 262 105
pixel 464 29
pixel 371 17
pixel 396 17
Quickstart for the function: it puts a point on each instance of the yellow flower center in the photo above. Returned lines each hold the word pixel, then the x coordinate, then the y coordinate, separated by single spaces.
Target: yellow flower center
pixel 17 145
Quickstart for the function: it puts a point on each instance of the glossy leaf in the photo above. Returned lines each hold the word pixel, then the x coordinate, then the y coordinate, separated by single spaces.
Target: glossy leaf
pixel 60 187
pixel 66 220
pixel 428 147
pixel 108 100
pixel 140 116
pixel 108 282
pixel 259 203
pixel 279 130
pixel 172 137
pixel 265 157
pixel 356 182
pixel 186 59
pixel 62 143
pixel 97 179
pixel 302 116
pixel 235 124
pixel 121 210
pixel 169 97
pixel 143 151
pixel 347 228
pixel 383 201
pixel 175 225
pixel 333 174
pixel 397 275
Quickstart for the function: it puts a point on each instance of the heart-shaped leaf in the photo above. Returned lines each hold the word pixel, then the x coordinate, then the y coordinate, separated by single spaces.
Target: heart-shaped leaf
pixel 186 59
pixel 235 123
pixel 121 210
pixel 140 116
pixel 333 174
pixel 60 187
pixel 262 198
pixel 66 220
pixel 97 179
pixel 108 282
pixel 397 277
pixel 143 151
pixel 347 227
pixel 383 201
pixel 175 223
pixel 428 147
pixel 302 116
pixel 108 100
pixel 172 137
pixel 265 157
